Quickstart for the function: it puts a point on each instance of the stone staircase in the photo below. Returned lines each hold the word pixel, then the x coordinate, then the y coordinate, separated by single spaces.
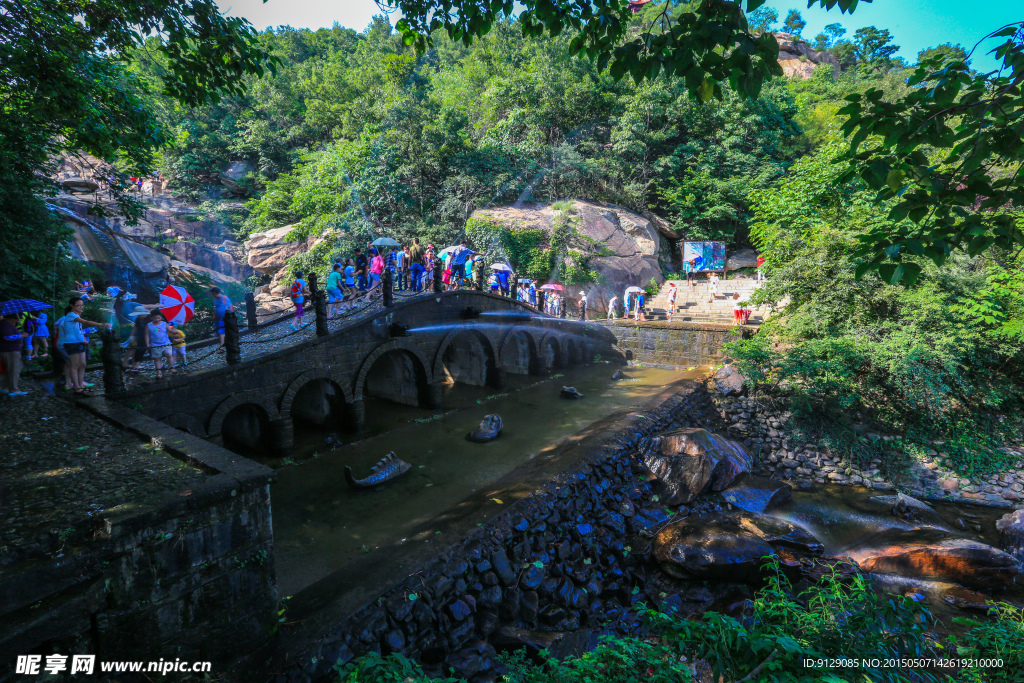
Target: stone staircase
pixel 692 305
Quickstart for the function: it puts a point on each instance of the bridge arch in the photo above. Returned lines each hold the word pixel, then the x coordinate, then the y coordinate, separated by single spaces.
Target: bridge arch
pixel 319 395
pixel 249 420
pixel 517 351
pixel 551 351
pixel 397 371
pixel 467 355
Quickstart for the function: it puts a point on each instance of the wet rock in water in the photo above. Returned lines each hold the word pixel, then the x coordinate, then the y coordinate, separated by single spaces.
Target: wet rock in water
pixel 618 375
pixel 781 534
pixel 729 381
pixel 757 494
pixel 472 660
pixel 967 600
pixel 909 508
pixel 1011 533
pixel 489 429
pixel 723 546
pixel 960 560
pixel 709 550
pixel 688 462
pixel 570 392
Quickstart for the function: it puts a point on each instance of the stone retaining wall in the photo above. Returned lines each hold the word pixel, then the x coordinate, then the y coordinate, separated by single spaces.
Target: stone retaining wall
pixel 766 429
pixel 181 574
pixel 567 557
pixel 679 345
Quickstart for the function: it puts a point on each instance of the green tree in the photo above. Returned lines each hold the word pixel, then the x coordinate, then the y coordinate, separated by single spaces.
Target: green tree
pixel 947 52
pixel 67 87
pixel 874 47
pixel 829 37
pixel 794 22
pixel 762 19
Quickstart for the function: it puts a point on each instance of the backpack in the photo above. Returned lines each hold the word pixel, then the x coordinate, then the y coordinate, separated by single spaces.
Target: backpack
pixel 296 289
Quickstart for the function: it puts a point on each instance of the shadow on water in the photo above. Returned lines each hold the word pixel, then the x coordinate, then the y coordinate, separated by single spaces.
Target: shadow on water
pixel 321 525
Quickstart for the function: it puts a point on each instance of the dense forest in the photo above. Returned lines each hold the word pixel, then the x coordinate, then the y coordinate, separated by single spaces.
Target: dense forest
pixel 357 132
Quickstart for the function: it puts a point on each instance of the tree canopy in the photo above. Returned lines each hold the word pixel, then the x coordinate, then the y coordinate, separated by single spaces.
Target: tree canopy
pixel 67 86
pixel 952 142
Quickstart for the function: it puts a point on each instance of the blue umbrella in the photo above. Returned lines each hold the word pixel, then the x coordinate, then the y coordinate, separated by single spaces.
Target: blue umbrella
pixel 22 306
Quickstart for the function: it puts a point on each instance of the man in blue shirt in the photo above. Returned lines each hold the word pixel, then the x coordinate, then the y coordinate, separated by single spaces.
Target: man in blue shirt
pixel 221 305
pixel 458 264
pixel 533 294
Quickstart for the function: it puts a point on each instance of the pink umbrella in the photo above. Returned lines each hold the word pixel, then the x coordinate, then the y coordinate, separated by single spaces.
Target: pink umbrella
pixel 557 288
pixel 177 305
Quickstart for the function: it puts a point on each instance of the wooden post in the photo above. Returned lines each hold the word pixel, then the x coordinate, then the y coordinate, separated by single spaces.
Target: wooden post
pixel 319 306
pixel 231 344
pixel 387 285
pixel 250 310
pixel 113 371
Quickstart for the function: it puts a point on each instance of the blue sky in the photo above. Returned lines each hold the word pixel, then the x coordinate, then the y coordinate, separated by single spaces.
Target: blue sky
pixel 914 24
pixel 917 24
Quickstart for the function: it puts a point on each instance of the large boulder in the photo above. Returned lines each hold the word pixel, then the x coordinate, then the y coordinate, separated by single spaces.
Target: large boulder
pixel 741 258
pixel 909 508
pixel 960 560
pixel 691 461
pixel 757 494
pixel 489 429
pixel 268 251
pixel 727 547
pixel 630 243
pixel 729 381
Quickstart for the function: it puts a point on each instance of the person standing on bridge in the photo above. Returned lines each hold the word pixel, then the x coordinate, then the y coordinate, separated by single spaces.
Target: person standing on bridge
pixel 361 272
pixel 416 254
pixel 612 306
pixel 583 305
pixel 221 305
pixel 299 292
pixel 640 303
pixel 334 295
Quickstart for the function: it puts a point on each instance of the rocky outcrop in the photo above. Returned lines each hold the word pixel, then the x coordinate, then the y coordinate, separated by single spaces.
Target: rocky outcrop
pixel 225 260
pixel 630 244
pixel 268 251
pixel 726 547
pixel 688 462
pixel 960 560
pixel 1011 533
pixel 798 59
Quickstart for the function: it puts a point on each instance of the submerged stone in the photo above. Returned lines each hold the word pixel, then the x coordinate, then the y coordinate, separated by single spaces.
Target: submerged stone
pixel 489 429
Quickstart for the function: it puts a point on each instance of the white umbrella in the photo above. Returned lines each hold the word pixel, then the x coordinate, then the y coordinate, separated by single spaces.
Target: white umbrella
pixel 634 290
pixel 502 267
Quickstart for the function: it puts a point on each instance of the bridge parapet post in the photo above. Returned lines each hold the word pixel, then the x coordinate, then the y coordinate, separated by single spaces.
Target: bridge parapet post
pixel 388 288
pixel 231 343
pixel 438 284
pixel 319 306
pixel 113 371
pixel 250 311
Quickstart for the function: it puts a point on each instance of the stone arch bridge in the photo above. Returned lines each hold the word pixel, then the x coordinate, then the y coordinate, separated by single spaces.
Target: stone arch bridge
pixel 403 354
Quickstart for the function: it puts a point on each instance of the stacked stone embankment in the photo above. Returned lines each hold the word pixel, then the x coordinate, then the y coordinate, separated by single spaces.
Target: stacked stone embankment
pixel 768 429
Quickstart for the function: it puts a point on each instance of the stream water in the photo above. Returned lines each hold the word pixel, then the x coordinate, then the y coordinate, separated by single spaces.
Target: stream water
pixel 321 525
pixel 845 518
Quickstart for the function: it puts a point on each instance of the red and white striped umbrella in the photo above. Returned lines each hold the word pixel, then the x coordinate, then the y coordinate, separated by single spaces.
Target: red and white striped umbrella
pixel 177 305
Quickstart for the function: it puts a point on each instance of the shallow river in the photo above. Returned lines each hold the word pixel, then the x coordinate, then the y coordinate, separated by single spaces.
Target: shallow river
pixel 321 525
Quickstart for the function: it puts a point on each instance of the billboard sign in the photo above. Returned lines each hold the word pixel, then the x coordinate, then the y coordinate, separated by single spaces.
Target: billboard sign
pixel 706 255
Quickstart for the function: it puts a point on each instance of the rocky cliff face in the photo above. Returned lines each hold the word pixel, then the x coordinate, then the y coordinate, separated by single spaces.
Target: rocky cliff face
pixel 630 244
pixel 267 253
pixel 799 59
